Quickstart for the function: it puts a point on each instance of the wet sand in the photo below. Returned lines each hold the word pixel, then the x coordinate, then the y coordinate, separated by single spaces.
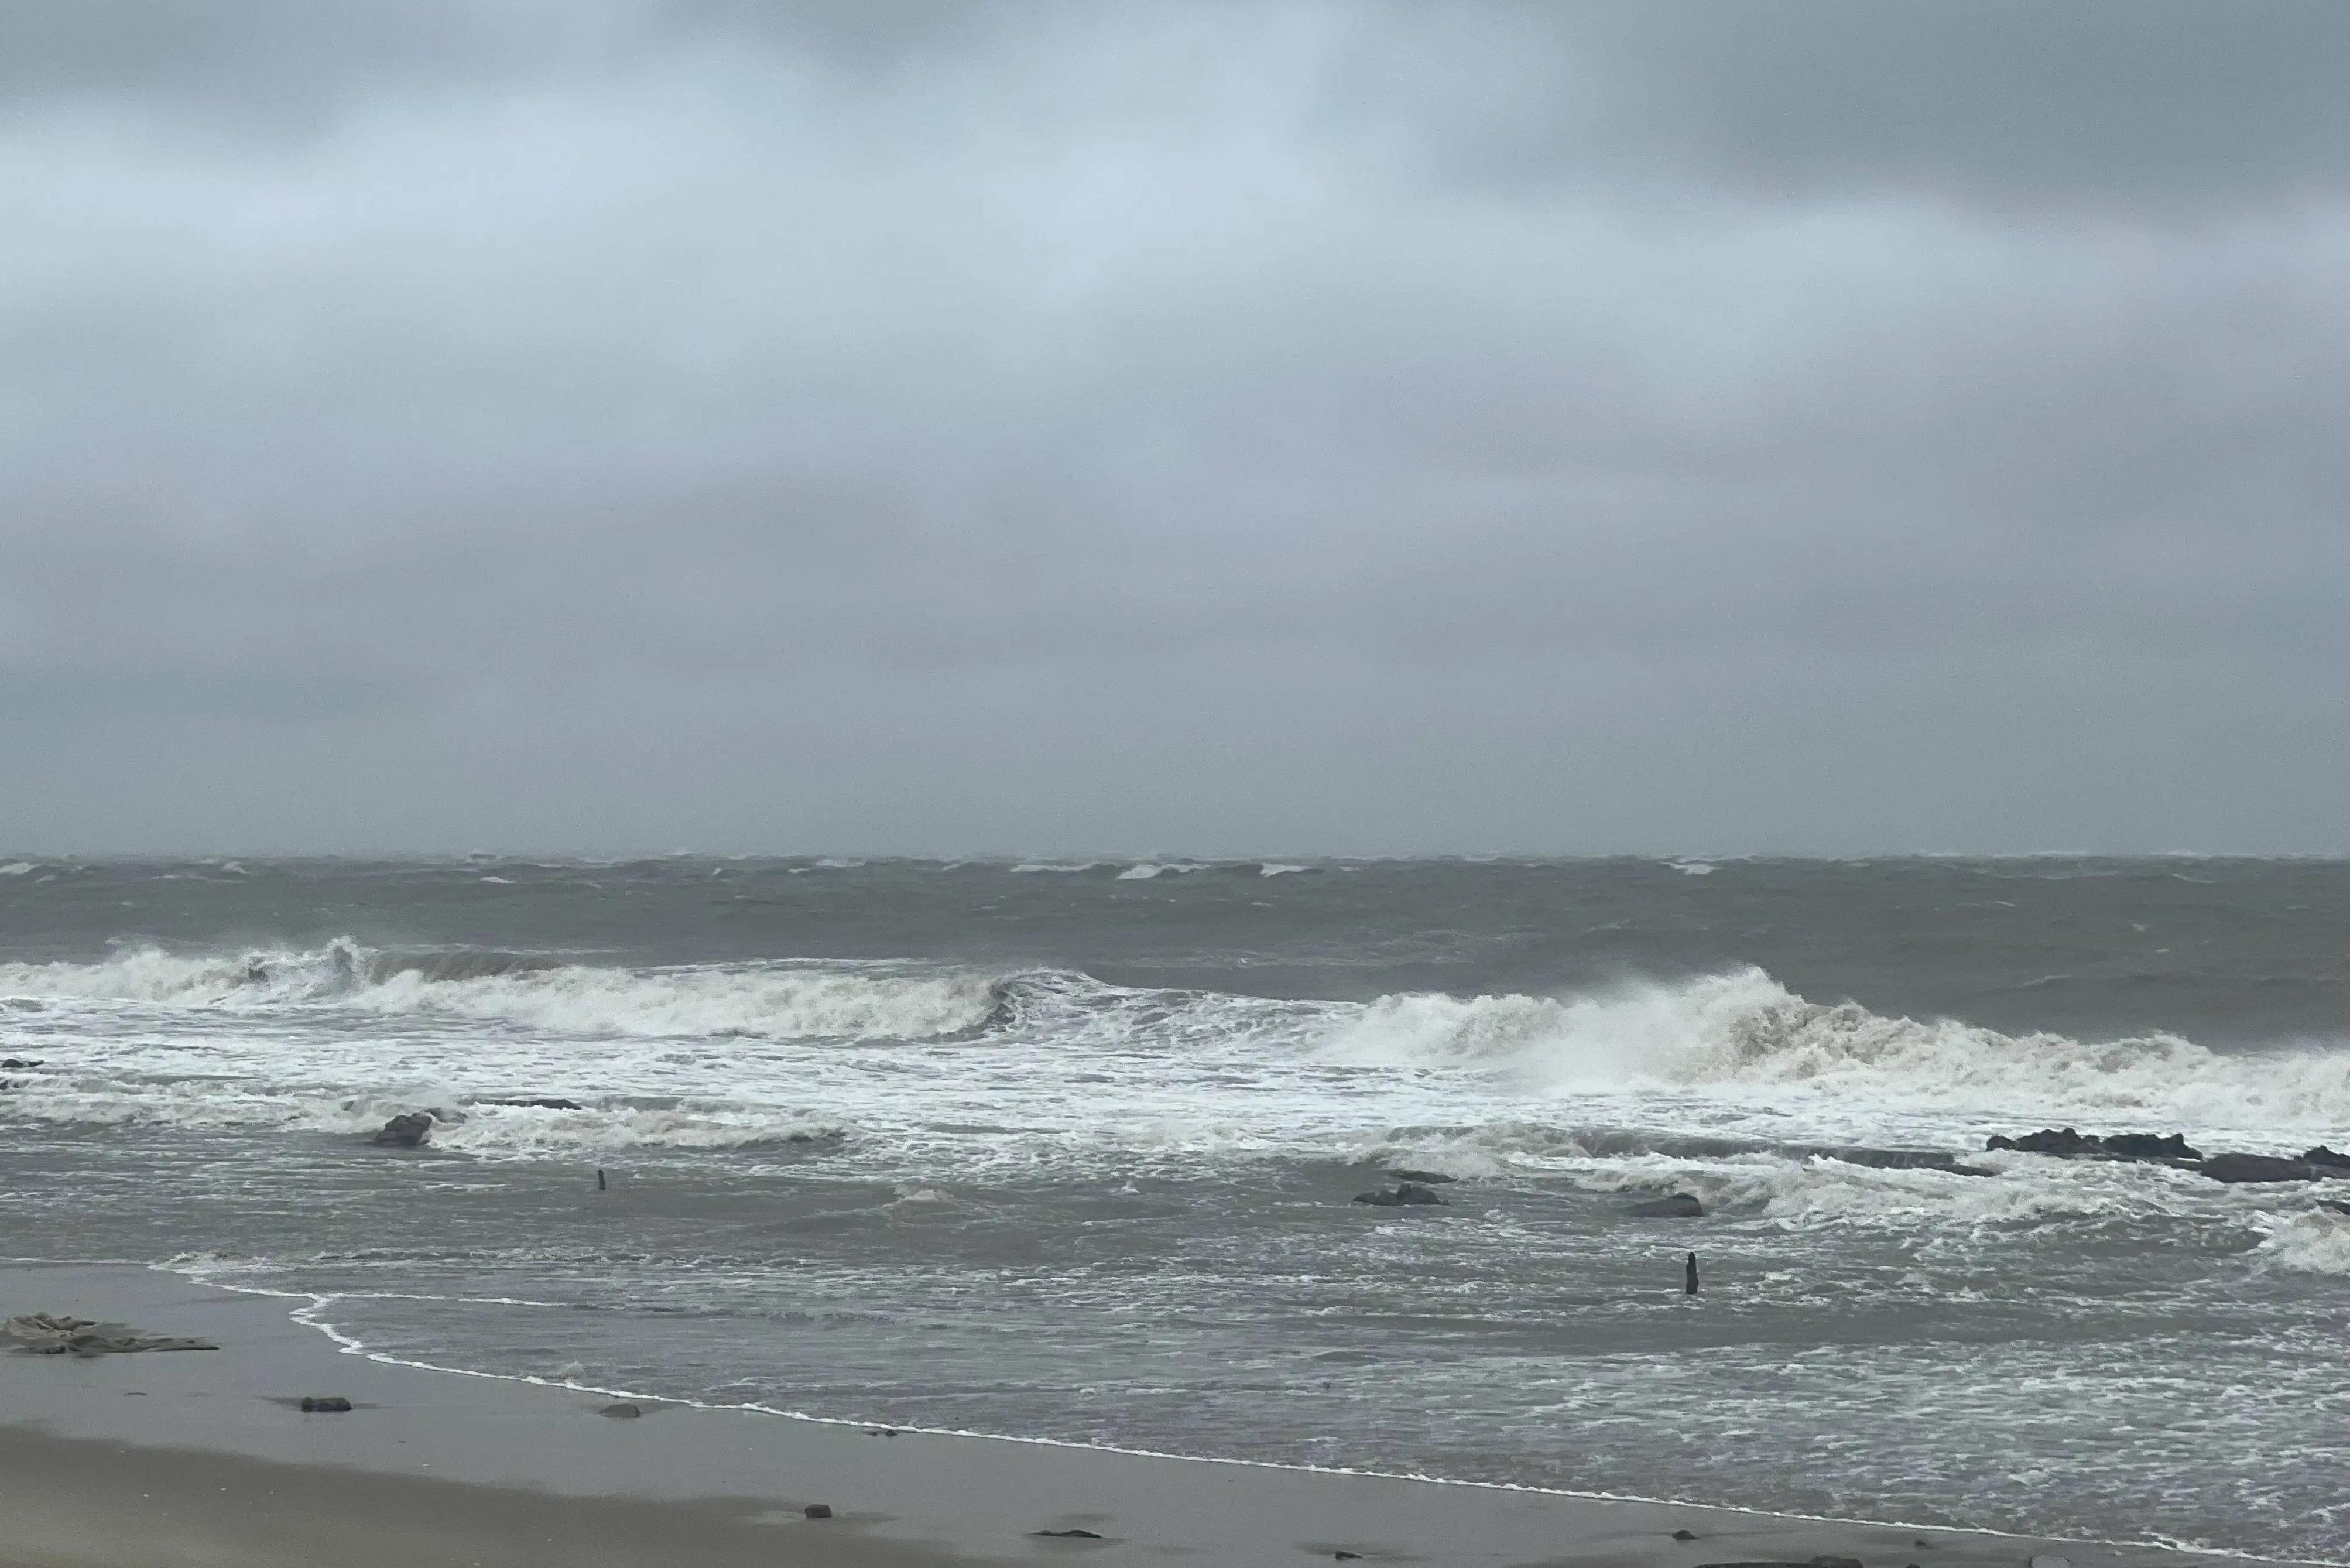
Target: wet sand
pixel 204 1456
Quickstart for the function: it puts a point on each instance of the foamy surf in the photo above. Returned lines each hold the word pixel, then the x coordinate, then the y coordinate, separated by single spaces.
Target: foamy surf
pixel 776 1001
pixel 1743 1029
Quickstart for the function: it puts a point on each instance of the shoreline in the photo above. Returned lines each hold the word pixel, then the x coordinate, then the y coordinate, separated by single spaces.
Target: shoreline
pixel 700 1483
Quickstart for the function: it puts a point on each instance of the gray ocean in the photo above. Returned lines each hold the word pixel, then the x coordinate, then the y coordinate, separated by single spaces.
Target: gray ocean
pixel 1068 1150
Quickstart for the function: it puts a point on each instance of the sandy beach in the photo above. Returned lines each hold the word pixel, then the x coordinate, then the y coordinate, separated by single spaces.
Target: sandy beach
pixel 204 1456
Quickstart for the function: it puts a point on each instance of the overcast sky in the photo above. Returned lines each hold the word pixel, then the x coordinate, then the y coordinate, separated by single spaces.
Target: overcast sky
pixel 607 425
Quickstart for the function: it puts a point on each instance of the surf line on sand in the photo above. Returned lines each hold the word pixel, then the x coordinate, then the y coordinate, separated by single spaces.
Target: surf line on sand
pixel 316 1303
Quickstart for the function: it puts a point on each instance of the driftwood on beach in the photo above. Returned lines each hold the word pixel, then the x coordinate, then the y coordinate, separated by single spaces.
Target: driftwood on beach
pixel 54 1334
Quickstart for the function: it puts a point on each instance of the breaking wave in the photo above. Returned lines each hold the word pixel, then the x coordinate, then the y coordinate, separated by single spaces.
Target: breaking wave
pixel 2315 1242
pixel 771 1001
pixel 1744 1029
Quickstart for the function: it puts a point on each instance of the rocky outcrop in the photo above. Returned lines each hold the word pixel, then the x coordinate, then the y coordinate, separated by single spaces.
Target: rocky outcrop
pixel 1411 1195
pixel 2245 1167
pixel 2066 1144
pixel 405 1131
pixel 2326 1159
pixel 1679 1206
pixel 2147 1146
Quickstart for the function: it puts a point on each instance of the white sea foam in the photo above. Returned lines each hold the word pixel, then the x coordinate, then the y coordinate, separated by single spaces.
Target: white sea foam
pixel 1272 868
pixel 784 1001
pixel 1743 1029
pixel 1148 870
pixel 15 868
pixel 1027 867
pixel 2316 1242
pixel 1054 1066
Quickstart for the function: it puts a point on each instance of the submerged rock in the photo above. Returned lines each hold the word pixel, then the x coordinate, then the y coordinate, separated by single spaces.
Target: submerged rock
pixel 623 1411
pixel 1078 1535
pixel 405 1131
pixel 326 1402
pixel 1429 1178
pixel 536 1103
pixel 1409 1196
pixel 1679 1206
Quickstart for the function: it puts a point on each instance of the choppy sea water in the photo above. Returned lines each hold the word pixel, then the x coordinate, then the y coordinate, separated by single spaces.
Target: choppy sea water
pixel 1067 1151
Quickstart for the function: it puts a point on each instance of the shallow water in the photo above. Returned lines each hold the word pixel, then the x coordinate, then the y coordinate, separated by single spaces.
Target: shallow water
pixel 1069 1152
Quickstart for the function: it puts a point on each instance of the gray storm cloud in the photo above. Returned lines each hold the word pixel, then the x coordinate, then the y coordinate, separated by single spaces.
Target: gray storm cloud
pixel 1214 428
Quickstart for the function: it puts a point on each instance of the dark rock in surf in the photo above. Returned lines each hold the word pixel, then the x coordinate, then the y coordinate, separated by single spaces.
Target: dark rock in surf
pixel 536 1103
pixel 1684 1535
pixel 405 1131
pixel 817 1510
pixel 2338 1208
pixel 1347 1556
pixel 1408 1196
pixel 1427 1178
pixel 2249 1168
pixel 1679 1206
pixel 326 1402
pixel 1073 1536
pixel 2320 1157
pixel 2147 1146
pixel 18 1062
pixel 2065 1143
pixel 622 1412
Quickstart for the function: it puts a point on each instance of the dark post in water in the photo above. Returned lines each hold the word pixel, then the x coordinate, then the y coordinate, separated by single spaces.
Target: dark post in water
pixel 1691 1288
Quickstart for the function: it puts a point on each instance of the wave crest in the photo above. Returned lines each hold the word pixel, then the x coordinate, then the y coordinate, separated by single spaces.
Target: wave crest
pixel 1743 1028
pixel 772 1001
